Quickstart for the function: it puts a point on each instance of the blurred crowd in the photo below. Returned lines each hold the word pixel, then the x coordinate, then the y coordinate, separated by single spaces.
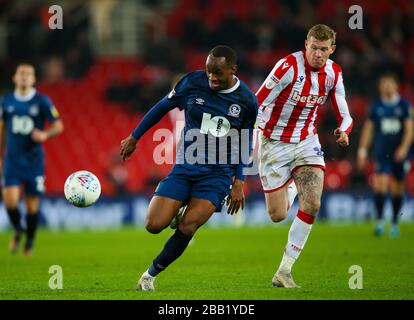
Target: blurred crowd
pixel 264 31
pixel 62 54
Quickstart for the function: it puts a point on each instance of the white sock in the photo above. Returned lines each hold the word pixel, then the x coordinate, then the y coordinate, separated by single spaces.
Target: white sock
pixel 292 192
pixel 147 275
pixel 286 264
pixel 298 234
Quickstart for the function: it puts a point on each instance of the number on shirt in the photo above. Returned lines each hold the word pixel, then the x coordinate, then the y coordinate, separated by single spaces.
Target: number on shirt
pixel 390 126
pixel 217 126
pixel 22 125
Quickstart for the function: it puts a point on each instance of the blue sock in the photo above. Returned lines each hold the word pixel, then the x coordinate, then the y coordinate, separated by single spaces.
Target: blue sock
pixel 396 206
pixel 14 216
pixel 379 199
pixel 174 247
pixel 31 221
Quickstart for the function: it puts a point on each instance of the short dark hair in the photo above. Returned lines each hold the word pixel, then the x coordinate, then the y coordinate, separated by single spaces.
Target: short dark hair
pixel 390 75
pixel 225 51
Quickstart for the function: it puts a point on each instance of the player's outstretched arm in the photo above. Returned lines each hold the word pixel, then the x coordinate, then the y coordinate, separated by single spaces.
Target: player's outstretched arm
pixel 128 145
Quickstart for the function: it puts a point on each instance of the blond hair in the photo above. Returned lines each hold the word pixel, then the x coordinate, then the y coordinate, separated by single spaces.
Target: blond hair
pixel 322 32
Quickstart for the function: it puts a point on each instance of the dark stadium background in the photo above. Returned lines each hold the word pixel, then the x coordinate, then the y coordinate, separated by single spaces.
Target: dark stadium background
pixel 114 59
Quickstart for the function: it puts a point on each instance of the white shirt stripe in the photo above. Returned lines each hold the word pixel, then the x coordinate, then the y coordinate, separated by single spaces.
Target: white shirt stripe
pixel 313 100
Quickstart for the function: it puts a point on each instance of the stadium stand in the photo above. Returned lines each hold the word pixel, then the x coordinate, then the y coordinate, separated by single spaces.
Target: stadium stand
pixel 95 125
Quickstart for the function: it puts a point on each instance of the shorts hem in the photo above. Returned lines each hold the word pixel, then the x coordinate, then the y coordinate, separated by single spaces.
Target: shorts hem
pixel 320 166
pixel 218 206
pixel 278 188
pixel 160 194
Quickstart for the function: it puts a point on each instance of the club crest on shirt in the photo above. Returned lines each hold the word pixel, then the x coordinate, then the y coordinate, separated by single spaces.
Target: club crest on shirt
pixel 380 112
pixel 329 83
pixel 234 110
pixel 10 109
pixel 34 110
pixel 398 111
pixel 272 82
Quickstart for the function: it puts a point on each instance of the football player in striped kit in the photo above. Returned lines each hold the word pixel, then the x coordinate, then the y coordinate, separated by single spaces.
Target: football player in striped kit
pixel 290 156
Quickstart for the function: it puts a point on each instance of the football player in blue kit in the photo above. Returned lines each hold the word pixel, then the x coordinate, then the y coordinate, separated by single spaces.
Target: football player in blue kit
pixel 22 132
pixel 390 126
pixel 215 103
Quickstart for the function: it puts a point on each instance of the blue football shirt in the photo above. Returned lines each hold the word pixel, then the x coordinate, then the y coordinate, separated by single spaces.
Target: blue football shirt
pixel 20 116
pixel 214 121
pixel 388 119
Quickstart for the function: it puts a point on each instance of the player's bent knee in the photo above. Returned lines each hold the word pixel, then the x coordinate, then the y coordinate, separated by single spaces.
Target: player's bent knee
pixel 154 227
pixel 277 215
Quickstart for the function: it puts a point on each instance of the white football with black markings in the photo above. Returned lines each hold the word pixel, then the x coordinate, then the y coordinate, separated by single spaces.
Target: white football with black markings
pixel 82 189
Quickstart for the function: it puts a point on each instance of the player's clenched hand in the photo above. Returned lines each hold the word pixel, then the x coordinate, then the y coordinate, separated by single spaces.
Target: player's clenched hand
pixel 128 146
pixel 341 137
pixel 39 136
pixel 236 198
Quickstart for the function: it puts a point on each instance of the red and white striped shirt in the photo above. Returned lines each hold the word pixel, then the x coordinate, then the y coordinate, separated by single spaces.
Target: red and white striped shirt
pixel 291 94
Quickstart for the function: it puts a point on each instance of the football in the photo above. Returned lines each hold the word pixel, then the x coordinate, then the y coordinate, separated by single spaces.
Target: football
pixel 82 189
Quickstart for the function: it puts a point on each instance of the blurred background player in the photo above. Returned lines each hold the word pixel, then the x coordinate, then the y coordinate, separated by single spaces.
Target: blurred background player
pixel 289 145
pixel 214 101
pixel 22 132
pixel 390 125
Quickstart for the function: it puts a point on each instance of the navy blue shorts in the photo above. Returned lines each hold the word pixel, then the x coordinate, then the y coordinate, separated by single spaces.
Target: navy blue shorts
pixel 205 182
pixel 388 166
pixel 32 178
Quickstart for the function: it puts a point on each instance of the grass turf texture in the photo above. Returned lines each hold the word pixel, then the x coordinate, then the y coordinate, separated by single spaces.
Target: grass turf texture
pixel 225 263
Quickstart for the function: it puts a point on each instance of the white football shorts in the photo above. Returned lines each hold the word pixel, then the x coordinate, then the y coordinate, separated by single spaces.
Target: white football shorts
pixel 278 159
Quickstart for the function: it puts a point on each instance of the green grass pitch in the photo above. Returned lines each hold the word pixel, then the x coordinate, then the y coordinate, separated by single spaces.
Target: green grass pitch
pixel 221 263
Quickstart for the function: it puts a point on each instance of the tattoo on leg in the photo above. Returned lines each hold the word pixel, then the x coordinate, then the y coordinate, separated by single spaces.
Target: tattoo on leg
pixel 309 181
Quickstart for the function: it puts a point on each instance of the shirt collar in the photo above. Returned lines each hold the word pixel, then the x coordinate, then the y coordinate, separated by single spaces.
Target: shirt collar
pixel 26 97
pixel 391 102
pixel 233 88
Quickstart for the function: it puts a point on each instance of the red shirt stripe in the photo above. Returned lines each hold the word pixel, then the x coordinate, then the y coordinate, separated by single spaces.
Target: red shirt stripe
pixel 281 99
pixel 321 84
pixel 297 110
